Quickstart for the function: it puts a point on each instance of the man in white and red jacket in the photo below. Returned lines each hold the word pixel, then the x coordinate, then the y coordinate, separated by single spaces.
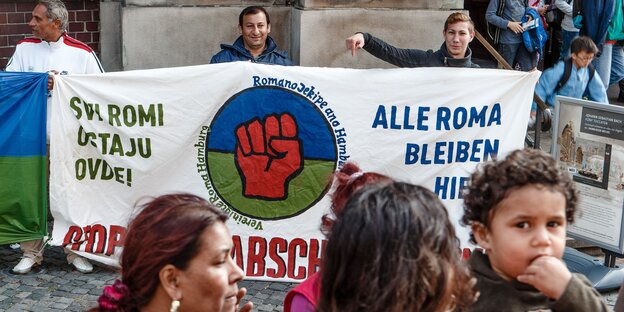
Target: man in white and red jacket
pixel 51 50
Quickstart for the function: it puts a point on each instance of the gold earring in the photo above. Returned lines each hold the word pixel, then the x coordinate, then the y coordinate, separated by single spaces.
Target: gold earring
pixel 175 304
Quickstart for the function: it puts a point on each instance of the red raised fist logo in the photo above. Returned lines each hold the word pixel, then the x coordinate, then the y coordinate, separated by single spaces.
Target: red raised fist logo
pixel 268 156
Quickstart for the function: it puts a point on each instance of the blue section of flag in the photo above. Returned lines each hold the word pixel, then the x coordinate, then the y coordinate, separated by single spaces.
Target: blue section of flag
pixel 314 131
pixel 23 102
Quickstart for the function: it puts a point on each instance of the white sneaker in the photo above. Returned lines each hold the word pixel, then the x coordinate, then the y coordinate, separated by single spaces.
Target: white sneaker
pixel 15 246
pixel 24 266
pixel 82 265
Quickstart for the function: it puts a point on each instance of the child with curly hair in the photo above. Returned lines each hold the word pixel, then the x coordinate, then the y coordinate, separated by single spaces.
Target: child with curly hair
pixel 518 210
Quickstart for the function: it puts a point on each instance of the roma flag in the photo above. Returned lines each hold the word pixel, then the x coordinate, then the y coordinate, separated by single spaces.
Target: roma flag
pixel 23 166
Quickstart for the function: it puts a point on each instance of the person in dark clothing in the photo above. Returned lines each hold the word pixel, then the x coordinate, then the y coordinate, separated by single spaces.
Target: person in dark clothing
pixel 596 18
pixel 511 46
pixel 254 44
pixel 454 52
pixel 599 25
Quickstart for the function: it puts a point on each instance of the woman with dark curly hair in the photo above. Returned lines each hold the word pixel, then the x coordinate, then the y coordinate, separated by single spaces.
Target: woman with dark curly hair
pixel 393 249
pixel 518 209
pixel 176 257
pixel 304 297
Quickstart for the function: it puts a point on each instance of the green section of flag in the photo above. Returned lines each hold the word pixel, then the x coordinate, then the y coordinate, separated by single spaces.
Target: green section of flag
pixel 23 199
pixel 303 191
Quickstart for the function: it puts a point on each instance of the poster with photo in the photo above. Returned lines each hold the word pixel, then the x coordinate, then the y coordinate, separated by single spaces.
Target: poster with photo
pixel 588 142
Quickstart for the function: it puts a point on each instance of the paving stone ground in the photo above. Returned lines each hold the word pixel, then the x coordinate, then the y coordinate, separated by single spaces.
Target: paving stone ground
pixel 56 286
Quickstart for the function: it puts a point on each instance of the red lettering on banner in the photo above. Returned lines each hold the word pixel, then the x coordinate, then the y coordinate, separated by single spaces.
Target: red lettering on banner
pixel 115 239
pixel 314 257
pixel 79 241
pixel 73 235
pixel 256 251
pixel 97 232
pixel 277 245
pixel 237 251
pixel 96 238
pixel 303 251
pixel 278 257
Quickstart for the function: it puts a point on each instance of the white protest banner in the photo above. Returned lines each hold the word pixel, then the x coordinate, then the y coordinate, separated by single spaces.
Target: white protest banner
pixel 119 137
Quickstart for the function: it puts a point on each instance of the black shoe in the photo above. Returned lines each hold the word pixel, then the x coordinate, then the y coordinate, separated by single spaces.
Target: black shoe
pixel 621 95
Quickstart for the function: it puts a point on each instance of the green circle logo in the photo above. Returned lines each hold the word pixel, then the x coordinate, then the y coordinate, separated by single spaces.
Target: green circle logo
pixel 270 153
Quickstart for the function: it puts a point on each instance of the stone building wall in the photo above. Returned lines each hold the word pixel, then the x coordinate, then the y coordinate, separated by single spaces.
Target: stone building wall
pixel 141 34
pixel 84 20
pixel 138 34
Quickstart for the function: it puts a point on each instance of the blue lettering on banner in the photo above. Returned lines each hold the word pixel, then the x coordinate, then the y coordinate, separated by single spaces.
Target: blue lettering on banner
pixel 450 187
pixel 451 152
pixel 461 117
pixel 381 119
pixel 447 118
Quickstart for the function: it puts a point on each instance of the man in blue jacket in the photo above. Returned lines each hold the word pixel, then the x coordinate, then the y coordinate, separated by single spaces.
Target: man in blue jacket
pixel 254 43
